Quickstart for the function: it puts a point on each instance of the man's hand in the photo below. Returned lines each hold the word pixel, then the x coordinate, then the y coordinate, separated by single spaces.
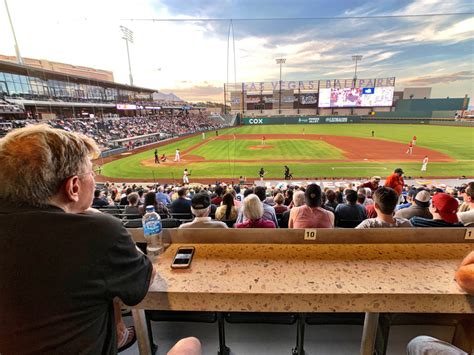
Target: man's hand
pixel 465 274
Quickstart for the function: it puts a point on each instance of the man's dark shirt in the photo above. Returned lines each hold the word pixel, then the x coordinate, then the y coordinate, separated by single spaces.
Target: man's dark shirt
pixel 124 201
pixel 181 205
pixel 98 202
pixel 59 275
pixel 350 212
pixel 425 222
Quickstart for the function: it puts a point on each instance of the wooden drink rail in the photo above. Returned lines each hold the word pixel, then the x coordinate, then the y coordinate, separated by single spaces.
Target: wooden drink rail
pixel 342 270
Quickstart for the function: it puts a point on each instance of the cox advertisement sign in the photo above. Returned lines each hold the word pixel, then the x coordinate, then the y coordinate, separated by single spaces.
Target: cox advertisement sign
pixel 300 120
pixel 255 121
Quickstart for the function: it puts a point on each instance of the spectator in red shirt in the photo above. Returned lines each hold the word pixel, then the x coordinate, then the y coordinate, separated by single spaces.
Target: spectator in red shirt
pixel 373 184
pixel 395 181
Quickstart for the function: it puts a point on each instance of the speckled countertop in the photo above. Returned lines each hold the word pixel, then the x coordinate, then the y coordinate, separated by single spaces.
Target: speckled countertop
pixel 313 278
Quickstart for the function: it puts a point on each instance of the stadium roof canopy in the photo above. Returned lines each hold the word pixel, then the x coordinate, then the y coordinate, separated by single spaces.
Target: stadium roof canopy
pixel 20 69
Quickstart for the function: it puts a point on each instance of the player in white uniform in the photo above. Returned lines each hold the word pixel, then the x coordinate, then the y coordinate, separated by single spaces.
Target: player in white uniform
pixel 425 163
pixel 186 176
pixel 177 155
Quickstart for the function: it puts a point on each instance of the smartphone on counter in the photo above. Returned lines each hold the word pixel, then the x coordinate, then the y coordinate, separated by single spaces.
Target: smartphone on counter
pixel 183 258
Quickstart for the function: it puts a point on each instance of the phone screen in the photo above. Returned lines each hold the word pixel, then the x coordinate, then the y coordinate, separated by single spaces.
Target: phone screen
pixel 183 257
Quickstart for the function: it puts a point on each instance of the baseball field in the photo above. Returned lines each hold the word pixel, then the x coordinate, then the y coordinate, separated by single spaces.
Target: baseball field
pixel 310 151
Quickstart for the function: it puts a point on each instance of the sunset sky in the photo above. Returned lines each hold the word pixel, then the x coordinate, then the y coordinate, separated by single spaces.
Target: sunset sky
pixel 189 58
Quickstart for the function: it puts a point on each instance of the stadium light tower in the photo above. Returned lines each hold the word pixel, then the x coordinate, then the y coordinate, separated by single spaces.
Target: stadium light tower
pixel 17 49
pixel 280 61
pixel 128 37
pixel 356 58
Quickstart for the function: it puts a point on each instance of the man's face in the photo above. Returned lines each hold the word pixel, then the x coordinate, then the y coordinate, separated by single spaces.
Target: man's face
pixel 87 186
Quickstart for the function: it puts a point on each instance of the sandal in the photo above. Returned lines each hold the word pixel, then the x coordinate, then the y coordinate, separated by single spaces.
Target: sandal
pixel 129 338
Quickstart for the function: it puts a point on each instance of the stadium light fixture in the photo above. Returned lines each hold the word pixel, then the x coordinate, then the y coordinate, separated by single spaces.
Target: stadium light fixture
pixel 127 35
pixel 17 49
pixel 280 61
pixel 356 58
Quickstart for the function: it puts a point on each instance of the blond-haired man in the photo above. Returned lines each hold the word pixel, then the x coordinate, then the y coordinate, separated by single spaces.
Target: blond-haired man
pixel 64 265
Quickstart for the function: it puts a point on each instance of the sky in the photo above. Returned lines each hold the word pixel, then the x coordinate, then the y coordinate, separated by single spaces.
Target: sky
pixel 190 58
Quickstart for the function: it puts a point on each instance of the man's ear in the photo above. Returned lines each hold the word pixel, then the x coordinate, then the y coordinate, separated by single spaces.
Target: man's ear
pixel 71 189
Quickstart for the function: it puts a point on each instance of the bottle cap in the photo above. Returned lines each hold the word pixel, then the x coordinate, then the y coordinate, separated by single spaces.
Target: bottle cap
pixel 150 208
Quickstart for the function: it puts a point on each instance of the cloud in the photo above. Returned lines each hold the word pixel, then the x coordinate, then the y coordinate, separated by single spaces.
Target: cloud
pixel 429 80
pixel 199 93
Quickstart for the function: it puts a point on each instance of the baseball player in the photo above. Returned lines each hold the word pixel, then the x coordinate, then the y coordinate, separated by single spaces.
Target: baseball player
pixel 424 165
pixel 410 148
pixel 177 155
pixel 186 175
pixel 414 140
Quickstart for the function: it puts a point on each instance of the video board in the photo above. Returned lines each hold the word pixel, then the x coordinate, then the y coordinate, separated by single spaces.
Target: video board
pixel 356 97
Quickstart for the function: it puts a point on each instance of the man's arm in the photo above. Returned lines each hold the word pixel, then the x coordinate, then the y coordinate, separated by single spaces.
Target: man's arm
pixel 128 273
pixel 465 274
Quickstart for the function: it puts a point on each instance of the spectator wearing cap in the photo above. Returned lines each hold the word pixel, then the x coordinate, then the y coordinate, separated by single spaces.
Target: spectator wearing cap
pixel 373 184
pixel 311 214
pixel 395 181
pixel 410 197
pixel 350 211
pixel 467 217
pixel 419 206
pixel 443 208
pixel 253 212
pixel 385 200
pixel 462 193
pixel 182 204
pixel 200 208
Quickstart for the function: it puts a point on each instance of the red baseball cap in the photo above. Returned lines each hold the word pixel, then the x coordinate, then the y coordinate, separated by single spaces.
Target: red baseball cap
pixel 447 207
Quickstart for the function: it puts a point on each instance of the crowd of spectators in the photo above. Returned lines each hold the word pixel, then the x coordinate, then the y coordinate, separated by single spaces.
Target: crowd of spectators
pixel 63 297
pixel 247 206
pixel 107 130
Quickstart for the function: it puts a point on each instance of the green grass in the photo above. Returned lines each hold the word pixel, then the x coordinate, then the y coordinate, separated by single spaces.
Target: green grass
pixel 281 149
pixel 457 142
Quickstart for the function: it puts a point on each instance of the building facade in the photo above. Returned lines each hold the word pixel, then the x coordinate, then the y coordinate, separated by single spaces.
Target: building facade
pixel 46 94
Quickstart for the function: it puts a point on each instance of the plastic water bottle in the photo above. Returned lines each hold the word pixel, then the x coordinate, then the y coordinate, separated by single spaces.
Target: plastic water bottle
pixel 152 231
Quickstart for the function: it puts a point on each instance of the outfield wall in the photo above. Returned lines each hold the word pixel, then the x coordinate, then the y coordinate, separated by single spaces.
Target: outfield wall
pixel 282 120
pixel 300 120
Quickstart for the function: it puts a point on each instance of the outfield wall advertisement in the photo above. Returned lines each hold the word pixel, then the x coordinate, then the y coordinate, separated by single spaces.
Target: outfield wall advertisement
pixel 300 120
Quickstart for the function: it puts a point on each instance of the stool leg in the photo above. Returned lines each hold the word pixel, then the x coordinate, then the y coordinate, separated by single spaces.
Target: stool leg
pixel 299 350
pixel 141 331
pixel 383 331
pixel 223 349
pixel 369 333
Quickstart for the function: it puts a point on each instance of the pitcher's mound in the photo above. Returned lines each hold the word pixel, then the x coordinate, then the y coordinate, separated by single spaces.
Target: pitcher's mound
pixel 260 147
